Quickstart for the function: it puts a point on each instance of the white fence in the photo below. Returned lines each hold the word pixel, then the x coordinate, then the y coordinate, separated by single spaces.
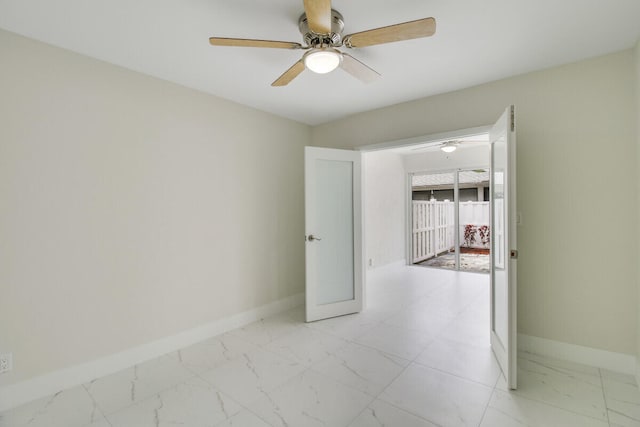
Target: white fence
pixel 433 229
pixel 434 222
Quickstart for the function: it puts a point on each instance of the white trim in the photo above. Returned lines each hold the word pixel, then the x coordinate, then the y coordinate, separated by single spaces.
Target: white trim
pixel 398 143
pixel 408 221
pixel 45 385
pixel 618 362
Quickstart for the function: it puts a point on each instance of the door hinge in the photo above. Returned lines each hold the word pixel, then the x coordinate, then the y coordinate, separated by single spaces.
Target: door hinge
pixel 513 119
pixel 514 254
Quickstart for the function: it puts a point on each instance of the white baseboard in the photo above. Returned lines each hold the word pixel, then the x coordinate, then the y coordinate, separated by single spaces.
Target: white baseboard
pixel 618 362
pixel 45 385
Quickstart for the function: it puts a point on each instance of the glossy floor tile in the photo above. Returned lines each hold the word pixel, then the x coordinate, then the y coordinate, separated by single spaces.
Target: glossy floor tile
pixel 193 403
pixel 622 398
pixel 129 386
pixel 573 387
pixel 418 356
pixel 306 346
pixel 210 354
pixel 475 363
pixel 311 399
pixel 507 409
pixel 363 368
pixel 438 397
pixel 398 341
pixel 354 325
pixel 247 378
pixel 72 407
pixel 380 413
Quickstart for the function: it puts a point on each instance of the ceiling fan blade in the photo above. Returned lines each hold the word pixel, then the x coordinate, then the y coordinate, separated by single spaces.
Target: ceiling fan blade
pixel 222 41
pixel 393 33
pixel 428 145
pixel 358 69
pixel 290 74
pixel 318 15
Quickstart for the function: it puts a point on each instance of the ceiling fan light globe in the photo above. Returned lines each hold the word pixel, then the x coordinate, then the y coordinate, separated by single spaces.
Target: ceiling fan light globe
pixel 322 61
pixel 448 148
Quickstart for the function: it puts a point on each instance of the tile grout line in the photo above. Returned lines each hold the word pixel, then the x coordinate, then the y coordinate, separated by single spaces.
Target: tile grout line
pixel 192 376
pixel 394 405
pixel 411 362
pixel 484 413
pixel 243 407
pixel 542 402
pixel 558 407
pixel 104 416
pixel 262 347
pixel 200 375
pixel 414 362
pixel 454 375
pixel 374 397
pixel 604 397
pixel 308 368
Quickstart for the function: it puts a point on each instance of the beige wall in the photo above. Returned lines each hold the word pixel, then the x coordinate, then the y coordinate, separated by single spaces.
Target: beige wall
pixel 385 192
pixel 576 138
pixel 133 209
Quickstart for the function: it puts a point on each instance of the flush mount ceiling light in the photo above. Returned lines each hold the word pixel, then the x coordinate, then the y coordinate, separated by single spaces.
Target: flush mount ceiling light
pixel 449 146
pixel 322 60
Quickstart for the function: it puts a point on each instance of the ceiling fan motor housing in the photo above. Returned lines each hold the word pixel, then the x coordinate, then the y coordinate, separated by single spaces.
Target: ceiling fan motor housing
pixel 317 40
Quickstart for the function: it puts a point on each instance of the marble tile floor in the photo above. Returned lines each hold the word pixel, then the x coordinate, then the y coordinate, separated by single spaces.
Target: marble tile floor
pixel 418 356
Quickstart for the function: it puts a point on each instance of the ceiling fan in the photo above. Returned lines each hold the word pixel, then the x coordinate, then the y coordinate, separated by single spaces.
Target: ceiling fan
pixel 321 29
pixel 449 146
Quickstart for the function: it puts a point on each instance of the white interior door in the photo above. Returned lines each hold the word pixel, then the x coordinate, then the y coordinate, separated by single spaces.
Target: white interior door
pixel 504 244
pixel 333 222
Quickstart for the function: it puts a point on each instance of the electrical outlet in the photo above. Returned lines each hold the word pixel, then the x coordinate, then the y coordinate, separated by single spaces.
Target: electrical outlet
pixel 370 262
pixel 6 362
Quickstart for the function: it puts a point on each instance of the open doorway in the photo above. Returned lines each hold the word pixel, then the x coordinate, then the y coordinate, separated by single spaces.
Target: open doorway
pixel 448 199
pixel 439 317
pixel 404 304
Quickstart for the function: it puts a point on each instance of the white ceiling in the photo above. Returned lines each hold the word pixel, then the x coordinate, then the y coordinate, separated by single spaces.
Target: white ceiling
pixel 414 146
pixel 476 41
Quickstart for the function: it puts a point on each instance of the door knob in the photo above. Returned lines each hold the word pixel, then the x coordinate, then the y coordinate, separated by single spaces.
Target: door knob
pixel 311 238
